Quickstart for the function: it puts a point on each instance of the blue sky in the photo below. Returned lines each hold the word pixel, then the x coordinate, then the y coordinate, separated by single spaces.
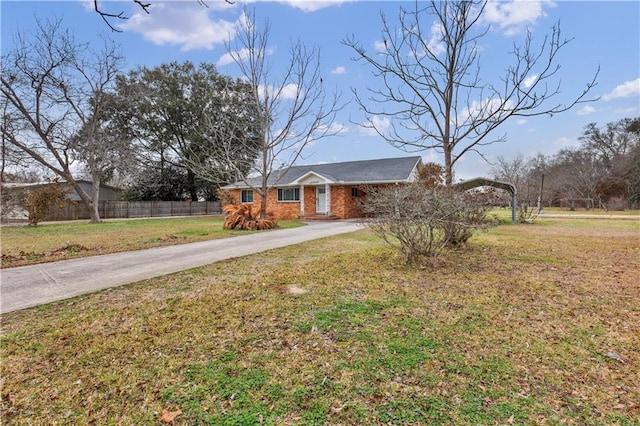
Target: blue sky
pixel 605 34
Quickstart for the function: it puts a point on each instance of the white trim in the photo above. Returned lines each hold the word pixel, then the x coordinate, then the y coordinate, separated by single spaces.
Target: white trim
pixel 302 199
pixel 323 179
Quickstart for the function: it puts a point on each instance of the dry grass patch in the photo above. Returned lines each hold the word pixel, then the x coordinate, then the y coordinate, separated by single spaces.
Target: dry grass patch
pixel 529 324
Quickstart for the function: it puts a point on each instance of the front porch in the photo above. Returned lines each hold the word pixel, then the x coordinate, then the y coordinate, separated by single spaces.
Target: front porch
pixel 319 216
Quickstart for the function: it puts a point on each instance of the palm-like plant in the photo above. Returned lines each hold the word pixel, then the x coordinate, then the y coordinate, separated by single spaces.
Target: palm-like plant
pixel 246 216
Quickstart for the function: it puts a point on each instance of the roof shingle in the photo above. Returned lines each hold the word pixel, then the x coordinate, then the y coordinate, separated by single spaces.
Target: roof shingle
pixel 383 170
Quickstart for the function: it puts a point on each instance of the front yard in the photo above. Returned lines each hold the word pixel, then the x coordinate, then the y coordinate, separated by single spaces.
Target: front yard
pixel 529 324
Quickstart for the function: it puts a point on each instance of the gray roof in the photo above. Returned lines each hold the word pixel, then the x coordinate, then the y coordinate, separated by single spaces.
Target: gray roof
pixel 385 170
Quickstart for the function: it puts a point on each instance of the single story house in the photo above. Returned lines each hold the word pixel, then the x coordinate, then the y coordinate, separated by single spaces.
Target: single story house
pixel 327 190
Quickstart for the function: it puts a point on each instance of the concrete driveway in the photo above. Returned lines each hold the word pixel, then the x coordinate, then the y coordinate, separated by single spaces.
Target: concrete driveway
pixel 28 286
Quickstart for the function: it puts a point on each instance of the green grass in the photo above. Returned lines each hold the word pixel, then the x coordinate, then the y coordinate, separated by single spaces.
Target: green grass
pixel 22 245
pixel 515 328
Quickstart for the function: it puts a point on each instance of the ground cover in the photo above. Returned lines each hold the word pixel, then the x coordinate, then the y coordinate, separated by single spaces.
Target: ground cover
pixel 591 212
pixel 529 324
pixel 24 245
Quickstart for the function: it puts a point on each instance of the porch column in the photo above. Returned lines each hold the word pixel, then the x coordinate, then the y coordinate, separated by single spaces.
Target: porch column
pixel 327 191
pixel 301 200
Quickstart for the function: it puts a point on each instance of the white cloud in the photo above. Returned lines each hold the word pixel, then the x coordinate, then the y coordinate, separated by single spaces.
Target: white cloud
pixel 312 5
pixel 481 109
pixel 379 123
pixel 88 5
pixel 513 17
pixel 528 82
pixel 334 128
pixel 628 89
pixel 380 46
pixel 521 121
pixel 186 24
pixel 289 91
pixel 586 110
pixel 242 54
pixel 435 43
pixel 339 70
pixel 563 142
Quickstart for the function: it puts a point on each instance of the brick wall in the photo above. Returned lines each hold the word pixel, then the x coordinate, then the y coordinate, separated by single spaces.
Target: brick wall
pixel 309 199
pixel 281 210
pixel 343 204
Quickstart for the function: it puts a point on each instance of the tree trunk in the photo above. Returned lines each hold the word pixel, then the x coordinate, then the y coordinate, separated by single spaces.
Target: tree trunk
pixel 94 212
pixel 263 200
pixel 448 167
pixel 193 190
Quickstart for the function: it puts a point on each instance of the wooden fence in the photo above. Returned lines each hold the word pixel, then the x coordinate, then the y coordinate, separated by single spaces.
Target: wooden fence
pixel 133 209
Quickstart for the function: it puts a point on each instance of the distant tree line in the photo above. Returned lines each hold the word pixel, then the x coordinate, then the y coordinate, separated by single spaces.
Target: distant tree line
pixel 603 171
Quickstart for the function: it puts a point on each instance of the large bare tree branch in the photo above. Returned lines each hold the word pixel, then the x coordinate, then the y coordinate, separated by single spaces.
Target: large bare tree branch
pixel 108 17
pixel 293 109
pixel 431 89
pixel 49 85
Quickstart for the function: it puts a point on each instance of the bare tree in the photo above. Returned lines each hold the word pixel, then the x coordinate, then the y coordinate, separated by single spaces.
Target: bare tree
pixel 292 109
pixel 102 146
pixel 50 83
pixel 432 90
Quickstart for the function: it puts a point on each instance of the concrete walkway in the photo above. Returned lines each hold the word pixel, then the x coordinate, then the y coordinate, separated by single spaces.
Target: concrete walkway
pixel 28 286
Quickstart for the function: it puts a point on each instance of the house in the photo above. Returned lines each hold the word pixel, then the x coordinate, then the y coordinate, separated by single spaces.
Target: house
pixel 324 190
pixel 107 192
pixel 12 194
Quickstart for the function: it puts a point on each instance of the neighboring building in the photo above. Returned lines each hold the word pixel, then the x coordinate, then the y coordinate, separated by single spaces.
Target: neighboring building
pixel 12 196
pixel 325 190
pixel 107 193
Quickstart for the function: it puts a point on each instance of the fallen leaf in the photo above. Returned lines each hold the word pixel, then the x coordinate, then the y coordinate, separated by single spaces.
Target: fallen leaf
pixel 614 355
pixel 169 416
pixel 336 410
pixel 511 419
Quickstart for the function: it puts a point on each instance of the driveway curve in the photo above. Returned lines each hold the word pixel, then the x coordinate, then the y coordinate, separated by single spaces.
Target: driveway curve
pixel 26 286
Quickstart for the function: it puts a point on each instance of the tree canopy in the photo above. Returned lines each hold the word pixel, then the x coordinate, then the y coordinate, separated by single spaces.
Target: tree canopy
pixel 182 117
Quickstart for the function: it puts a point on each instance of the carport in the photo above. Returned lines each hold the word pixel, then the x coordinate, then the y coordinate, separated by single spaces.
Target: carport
pixel 481 181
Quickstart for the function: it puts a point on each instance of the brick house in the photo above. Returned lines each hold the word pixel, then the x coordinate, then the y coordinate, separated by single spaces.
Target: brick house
pixel 324 190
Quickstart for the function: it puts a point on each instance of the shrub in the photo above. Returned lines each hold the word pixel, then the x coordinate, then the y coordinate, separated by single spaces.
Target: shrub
pixel 38 202
pixel 422 221
pixel 527 214
pixel 246 216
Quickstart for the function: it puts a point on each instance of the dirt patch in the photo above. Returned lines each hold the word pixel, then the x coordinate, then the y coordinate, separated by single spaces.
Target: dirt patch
pixel 290 289
pixel 60 253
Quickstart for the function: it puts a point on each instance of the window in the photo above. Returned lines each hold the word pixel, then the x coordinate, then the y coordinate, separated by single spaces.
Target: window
pixel 354 191
pixel 247 195
pixel 288 194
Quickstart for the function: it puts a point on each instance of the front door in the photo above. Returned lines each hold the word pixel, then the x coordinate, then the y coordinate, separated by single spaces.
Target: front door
pixel 321 199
